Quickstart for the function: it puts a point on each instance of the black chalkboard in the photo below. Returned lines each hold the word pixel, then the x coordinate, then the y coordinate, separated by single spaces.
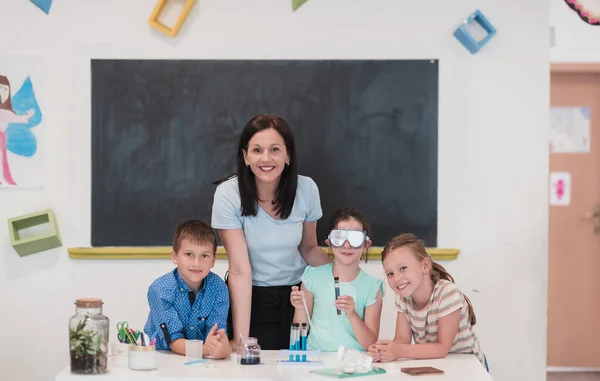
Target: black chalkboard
pixel 164 130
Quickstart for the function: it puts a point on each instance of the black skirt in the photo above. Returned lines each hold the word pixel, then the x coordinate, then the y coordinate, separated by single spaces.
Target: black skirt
pixel 270 318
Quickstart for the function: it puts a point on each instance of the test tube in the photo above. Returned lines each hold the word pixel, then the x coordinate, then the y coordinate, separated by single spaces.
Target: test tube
pixel 336 281
pixel 304 334
pixel 292 341
pixel 297 341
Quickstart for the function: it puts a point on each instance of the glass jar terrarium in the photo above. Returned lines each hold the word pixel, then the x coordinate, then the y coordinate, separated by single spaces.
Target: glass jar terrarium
pixel 249 351
pixel 88 337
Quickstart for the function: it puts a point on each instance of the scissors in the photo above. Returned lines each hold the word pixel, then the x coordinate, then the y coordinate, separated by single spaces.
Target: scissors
pixel 123 328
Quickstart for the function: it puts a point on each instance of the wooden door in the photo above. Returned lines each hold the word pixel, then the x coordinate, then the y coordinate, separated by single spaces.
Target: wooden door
pixel 574 246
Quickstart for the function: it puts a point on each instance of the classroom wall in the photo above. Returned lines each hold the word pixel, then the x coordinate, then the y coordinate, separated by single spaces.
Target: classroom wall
pixel 492 135
pixel 574 40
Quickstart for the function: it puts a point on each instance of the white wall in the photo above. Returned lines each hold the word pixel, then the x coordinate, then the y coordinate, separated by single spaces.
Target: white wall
pixel 575 41
pixel 492 172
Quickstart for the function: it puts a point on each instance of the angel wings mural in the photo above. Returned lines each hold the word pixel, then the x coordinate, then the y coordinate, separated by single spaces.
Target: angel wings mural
pixel 19 115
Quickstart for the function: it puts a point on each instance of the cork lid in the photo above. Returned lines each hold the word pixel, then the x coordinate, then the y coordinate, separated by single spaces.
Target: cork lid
pixel 88 303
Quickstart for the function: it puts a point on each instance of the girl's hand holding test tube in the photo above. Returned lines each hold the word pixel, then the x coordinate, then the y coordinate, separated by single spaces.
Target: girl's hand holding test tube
pixel 345 303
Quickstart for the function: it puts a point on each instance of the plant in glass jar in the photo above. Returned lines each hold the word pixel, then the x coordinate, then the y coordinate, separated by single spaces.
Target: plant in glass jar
pixel 85 345
pixel 88 336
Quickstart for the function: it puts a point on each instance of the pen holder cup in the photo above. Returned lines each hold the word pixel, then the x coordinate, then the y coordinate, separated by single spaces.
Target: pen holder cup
pixel 119 353
pixel 142 357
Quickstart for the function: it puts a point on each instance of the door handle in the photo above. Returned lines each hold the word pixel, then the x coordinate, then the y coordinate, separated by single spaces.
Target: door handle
pixel 595 215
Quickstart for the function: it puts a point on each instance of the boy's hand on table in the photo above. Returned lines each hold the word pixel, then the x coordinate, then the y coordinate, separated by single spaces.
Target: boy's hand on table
pixel 224 349
pixel 213 340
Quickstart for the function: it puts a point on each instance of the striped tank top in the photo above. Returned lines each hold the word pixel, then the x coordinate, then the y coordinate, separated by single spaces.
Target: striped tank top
pixel 445 299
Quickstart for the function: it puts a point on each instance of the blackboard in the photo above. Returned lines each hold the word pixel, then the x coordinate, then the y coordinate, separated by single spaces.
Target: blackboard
pixel 164 130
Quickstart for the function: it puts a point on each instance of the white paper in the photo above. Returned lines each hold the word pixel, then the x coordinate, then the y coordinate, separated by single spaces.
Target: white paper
pixel 22 138
pixel 560 188
pixel 570 129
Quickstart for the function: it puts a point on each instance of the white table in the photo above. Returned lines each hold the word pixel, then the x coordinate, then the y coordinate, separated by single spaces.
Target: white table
pixel 171 368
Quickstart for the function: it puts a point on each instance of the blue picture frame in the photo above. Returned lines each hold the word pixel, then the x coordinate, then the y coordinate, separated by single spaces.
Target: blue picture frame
pixel 462 34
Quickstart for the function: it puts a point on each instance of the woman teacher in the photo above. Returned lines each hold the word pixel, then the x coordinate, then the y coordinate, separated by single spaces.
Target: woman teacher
pixel 266 217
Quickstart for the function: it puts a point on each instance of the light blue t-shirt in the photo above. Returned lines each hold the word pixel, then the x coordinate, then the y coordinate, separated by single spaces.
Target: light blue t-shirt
pixel 272 244
pixel 329 329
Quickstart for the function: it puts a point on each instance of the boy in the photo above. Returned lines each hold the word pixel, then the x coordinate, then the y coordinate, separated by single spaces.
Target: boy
pixel 190 302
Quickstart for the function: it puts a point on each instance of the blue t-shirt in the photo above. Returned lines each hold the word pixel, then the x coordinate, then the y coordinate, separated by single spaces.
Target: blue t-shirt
pixel 272 244
pixel 184 315
pixel 329 329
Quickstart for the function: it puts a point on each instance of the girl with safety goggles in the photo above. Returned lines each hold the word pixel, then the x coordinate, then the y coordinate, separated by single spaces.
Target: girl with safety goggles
pixel 352 319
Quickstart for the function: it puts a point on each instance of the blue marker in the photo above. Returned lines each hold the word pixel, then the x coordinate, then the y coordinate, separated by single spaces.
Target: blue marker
pixel 195 361
pixel 336 280
pixel 303 340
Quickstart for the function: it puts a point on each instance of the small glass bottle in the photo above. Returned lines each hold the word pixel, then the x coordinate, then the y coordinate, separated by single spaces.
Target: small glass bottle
pixel 249 351
pixel 88 337
pixel 354 360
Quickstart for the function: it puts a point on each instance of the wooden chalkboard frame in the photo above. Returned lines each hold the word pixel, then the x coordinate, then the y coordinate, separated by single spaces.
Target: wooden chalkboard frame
pixel 164 252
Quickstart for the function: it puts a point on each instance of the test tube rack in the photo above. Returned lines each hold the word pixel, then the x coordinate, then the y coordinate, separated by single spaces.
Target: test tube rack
pixel 299 357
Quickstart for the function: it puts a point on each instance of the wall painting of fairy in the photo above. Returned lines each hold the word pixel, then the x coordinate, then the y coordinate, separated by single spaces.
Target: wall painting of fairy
pixel 20 129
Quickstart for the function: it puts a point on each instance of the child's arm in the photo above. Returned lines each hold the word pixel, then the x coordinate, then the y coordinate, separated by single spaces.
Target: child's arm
pixel 166 322
pixel 178 346
pixel 447 330
pixel 403 335
pixel 403 331
pixel 400 348
pixel 9 116
pixel 296 300
pixel 366 331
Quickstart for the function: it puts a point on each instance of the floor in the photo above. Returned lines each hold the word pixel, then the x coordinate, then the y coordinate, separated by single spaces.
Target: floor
pixel 575 376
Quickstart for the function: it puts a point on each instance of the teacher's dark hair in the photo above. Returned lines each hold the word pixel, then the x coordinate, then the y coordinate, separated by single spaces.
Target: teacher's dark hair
pixel 285 194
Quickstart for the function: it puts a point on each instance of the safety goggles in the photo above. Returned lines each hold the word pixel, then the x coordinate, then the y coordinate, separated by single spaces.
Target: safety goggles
pixel 355 238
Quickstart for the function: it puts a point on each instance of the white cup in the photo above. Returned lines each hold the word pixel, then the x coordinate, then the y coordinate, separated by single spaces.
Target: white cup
pixel 119 353
pixel 193 349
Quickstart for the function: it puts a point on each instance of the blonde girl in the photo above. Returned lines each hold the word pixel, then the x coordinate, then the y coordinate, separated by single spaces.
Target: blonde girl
pixel 431 308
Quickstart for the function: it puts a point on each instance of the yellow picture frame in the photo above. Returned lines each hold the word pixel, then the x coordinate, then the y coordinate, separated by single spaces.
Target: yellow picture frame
pixel 164 252
pixel 171 32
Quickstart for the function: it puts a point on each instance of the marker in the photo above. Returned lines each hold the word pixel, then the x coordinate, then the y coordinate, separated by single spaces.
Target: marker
pixel 303 341
pixel 336 280
pixel 131 339
pixel 194 361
